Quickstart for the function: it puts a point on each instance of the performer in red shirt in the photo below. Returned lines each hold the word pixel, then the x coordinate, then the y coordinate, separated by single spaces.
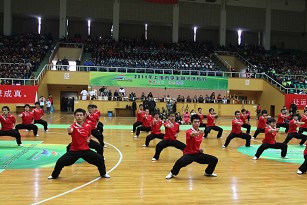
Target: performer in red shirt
pixel 170 137
pixel 80 134
pixel 38 114
pixel 211 124
pixel 303 168
pixel 281 120
pixel 7 125
pixel 100 124
pixel 303 127
pixel 139 118
pixel 156 124
pixel 202 116
pixel 292 133
pixel 27 121
pixel 92 119
pixel 236 131
pixel 244 116
pixel 147 118
pixel 193 153
pixel 269 140
pixel 261 123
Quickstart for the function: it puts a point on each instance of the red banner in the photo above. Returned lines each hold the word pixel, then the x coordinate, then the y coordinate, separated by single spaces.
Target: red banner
pixel 18 94
pixel 163 1
pixel 298 99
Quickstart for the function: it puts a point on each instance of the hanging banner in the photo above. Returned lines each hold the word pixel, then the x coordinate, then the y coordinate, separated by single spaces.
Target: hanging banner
pixel 158 81
pixel 298 99
pixel 18 94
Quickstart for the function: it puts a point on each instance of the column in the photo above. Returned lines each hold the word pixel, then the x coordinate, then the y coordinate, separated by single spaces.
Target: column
pixel 175 33
pixel 63 19
pixel 223 23
pixel 267 30
pixel 116 5
pixel 7 18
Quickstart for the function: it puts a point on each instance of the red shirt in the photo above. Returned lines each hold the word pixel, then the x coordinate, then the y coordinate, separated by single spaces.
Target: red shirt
pixel 139 116
pixel 305 151
pixel 97 112
pixel 51 100
pixel 201 117
pixel 243 118
pixel 281 119
pixel 292 126
pixel 236 128
pixel 92 120
pixel 193 143
pixel 79 136
pixel 304 119
pixel 210 120
pixel 170 132
pixel 27 118
pixel 147 120
pixel 269 137
pixel 262 122
pixel 155 126
pixel 8 122
pixel 38 113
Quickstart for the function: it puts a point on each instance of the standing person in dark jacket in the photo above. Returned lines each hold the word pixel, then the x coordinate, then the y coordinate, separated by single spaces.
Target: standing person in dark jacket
pixel 152 106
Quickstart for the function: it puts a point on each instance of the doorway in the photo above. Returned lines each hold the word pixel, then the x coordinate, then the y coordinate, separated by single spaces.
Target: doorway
pixel 67 100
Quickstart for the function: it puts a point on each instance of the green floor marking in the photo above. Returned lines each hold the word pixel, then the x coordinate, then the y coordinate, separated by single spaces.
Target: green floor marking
pixel 295 153
pixel 33 154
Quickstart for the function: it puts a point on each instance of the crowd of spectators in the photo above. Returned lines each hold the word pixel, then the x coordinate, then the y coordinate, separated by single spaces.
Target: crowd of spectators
pixel 21 55
pixel 137 53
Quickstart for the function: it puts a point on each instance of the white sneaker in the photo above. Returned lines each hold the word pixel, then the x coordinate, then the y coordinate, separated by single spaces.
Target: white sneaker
pixel 27 130
pixel 46 130
pixel 135 136
pixel 210 175
pixel 144 145
pixel 106 176
pixel 20 145
pixel 303 145
pixel 153 159
pixel 255 158
pixel 253 138
pixel 249 146
pixel 36 135
pixel 105 146
pixel 132 131
pixel 299 172
pixel 169 176
pixel 50 177
pixel 286 157
pixel 223 146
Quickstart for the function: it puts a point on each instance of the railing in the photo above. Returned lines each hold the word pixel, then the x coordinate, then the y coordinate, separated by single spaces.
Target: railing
pixel 236 55
pixel 148 70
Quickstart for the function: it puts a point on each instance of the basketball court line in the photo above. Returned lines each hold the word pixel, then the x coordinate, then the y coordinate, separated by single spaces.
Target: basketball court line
pixel 88 183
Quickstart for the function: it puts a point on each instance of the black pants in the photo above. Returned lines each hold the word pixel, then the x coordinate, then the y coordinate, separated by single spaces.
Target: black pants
pixel 168 143
pixel 297 136
pixel 200 158
pixel 136 124
pixel 277 145
pixel 12 133
pixel 142 128
pixel 100 127
pixel 215 128
pixel 242 135
pixel 153 136
pixel 303 167
pixel 71 157
pixel 301 130
pixel 247 127
pixel 258 131
pixel 98 135
pixel 42 122
pixel 202 124
pixel 285 125
pixel 93 145
pixel 28 127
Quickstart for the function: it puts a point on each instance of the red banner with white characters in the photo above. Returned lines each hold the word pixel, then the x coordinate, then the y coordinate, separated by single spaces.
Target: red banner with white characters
pixel 18 94
pixel 298 99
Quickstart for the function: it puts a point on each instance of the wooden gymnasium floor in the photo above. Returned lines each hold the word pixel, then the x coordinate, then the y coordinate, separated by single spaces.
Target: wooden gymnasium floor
pixel 135 179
